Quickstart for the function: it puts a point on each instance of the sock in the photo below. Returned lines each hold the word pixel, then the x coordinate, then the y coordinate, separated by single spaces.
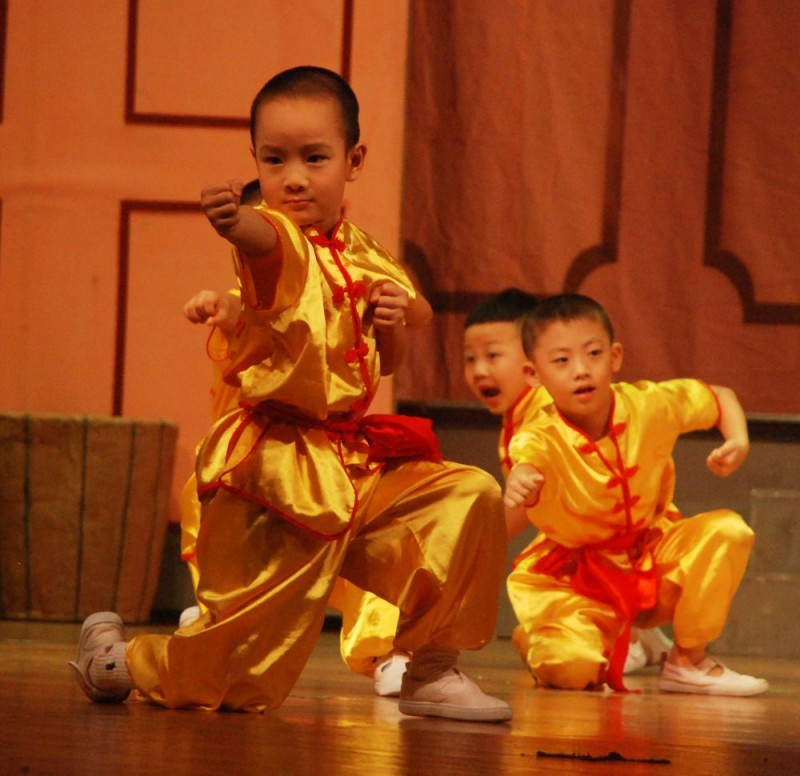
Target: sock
pixel 430 662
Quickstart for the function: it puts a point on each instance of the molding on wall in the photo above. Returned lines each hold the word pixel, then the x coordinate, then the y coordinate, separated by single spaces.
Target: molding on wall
pixel 3 36
pixel 732 266
pixel 128 208
pixel 345 69
pixel 135 116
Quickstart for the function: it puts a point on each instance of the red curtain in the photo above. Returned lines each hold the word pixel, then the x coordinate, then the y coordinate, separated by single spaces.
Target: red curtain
pixel 645 154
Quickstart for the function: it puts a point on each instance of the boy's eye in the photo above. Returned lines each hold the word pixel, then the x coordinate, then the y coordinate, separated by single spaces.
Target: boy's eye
pixel 272 160
pixel 317 158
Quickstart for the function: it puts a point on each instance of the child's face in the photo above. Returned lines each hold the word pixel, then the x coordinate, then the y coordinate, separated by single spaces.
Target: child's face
pixel 575 362
pixel 302 162
pixel 495 367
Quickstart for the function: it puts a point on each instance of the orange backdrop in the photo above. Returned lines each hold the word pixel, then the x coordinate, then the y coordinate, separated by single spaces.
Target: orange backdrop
pixel 114 117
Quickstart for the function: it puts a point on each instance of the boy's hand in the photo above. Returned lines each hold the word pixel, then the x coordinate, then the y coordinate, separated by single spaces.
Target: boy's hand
pixel 220 203
pixel 389 305
pixel 211 308
pixel 522 486
pixel 728 457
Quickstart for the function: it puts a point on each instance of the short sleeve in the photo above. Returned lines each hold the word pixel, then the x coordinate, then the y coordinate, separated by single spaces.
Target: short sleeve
pixel 275 281
pixel 693 404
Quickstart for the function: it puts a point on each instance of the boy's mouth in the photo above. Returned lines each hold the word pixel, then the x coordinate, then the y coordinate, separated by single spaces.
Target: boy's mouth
pixel 489 393
pixel 584 390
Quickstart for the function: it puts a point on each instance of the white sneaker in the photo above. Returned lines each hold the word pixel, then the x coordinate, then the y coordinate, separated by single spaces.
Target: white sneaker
pixel 699 681
pixel 453 695
pixel 188 616
pixel 388 676
pixel 656 645
pixel 103 639
pixel 636 659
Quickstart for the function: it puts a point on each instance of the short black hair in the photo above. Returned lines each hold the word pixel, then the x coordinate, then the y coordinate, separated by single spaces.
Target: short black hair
pixel 311 81
pixel 563 307
pixel 511 304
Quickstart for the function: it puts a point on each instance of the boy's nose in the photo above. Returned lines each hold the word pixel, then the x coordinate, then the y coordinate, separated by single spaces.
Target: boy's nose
pixel 479 368
pixel 580 367
pixel 295 177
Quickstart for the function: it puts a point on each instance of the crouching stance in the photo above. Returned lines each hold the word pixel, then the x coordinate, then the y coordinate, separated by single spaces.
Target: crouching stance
pixel 594 472
pixel 298 485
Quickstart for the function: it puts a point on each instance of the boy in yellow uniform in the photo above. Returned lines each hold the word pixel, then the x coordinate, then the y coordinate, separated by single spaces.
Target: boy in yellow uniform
pixel 496 369
pixel 499 374
pixel 594 472
pixel 298 486
pixel 369 623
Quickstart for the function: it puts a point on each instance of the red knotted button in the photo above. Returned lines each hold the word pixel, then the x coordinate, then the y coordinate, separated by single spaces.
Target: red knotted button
pixel 353 354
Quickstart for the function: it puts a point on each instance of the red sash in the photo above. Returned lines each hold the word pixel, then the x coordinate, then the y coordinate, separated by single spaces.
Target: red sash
pixel 388 436
pixel 594 576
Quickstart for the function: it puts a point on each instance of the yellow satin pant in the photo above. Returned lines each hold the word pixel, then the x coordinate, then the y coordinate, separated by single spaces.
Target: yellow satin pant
pixel 428 538
pixel 565 638
pixel 369 623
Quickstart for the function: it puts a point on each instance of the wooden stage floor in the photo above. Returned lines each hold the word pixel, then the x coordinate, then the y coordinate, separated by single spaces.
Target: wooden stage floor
pixel 333 724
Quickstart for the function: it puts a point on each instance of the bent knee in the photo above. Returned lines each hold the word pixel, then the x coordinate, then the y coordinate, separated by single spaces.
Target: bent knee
pixel 565 674
pixel 479 482
pixel 732 527
pixel 565 662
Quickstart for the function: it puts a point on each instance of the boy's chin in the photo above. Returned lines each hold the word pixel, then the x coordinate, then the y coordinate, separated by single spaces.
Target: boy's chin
pixel 494 409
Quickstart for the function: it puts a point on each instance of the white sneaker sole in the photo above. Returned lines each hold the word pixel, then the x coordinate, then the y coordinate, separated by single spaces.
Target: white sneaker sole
pixel 450 711
pixel 715 689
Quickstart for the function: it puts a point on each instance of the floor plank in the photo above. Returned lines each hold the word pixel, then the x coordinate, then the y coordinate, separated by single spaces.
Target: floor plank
pixel 333 724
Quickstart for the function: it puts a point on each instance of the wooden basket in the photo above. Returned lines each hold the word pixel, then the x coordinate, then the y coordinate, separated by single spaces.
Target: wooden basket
pixel 84 504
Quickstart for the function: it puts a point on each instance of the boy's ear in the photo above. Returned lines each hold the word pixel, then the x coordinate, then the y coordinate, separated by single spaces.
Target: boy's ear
pixel 355 160
pixel 616 356
pixel 529 372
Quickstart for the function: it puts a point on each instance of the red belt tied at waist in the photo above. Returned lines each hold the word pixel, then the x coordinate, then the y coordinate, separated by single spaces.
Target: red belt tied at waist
pixel 594 576
pixel 325 509
pixel 388 436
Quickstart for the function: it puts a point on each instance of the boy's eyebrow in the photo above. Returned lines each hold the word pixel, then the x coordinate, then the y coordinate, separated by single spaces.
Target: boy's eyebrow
pixel 320 145
pixel 564 348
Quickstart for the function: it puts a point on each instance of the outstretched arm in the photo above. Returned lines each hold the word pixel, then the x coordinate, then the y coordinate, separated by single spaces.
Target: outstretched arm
pixel 731 454
pixel 237 223
pixel 214 309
